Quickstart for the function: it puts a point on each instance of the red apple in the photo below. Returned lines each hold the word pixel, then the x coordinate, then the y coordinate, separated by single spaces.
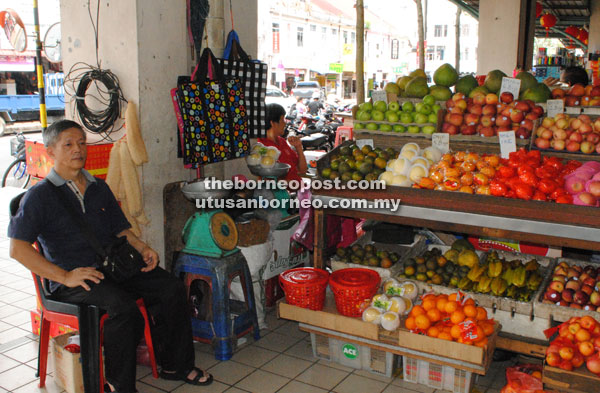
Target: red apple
pixel 567 295
pixel 456 119
pixel 462 104
pixel 522 106
pixel 548 122
pixel 595 92
pixel 586 128
pixel 516 116
pixel 542 143
pixel 580 297
pixel 598 148
pixel 575 123
pixel 491 98
pixel 593 364
pixel 523 133
pixel 450 103
pixel 557 144
pixel 562 123
pixel 475 109
pixel 503 121
pixel 587 147
pixel 578 359
pixel 471 119
pixel 457 109
pixel 487 120
pixel 587 289
pixel 479 99
pixel 593 137
pixel 538 110
pixel 507 97
pixel 468 130
pixel 458 96
pixel 552 295
pixel 572 101
pixel 572 146
pixel 559 134
pixel 487 131
pixel 527 124
pixel 577 90
pixel 558 93
pixel 449 129
pixel 489 109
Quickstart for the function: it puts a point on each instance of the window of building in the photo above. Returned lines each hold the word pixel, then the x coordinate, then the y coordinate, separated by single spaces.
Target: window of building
pixel 313 27
pixel 429 54
pixel 445 30
pixel 300 37
pixel 353 37
pixel 323 30
pixel 464 30
pixel 466 54
pixel 440 52
pixel 333 31
pixel 345 37
pixel 440 31
pixel 395 45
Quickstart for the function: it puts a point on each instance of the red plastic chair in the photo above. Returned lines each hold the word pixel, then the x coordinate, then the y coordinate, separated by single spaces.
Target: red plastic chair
pixel 343 133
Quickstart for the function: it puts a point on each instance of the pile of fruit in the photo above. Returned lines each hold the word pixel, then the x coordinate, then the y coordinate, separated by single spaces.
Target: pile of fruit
pixel 262 155
pixel 367 255
pixel 500 277
pixel 445 269
pixel 451 317
pixel 487 114
pixel 525 175
pixel 578 342
pixel 574 134
pixel 583 184
pixel 574 286
pixel 412 118
pixel 578 95
pixel 415 84
pixel 411 165
pixel 354 163
pixel 386 308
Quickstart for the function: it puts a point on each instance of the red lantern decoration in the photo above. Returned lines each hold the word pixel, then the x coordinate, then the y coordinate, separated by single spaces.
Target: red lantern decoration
pixel 583 35
pixel 538 9
pixel 573 32
pixel 547 21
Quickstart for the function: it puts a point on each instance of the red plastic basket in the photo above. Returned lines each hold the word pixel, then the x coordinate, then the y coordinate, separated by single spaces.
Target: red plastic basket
pixel 305 287
pixel 351 288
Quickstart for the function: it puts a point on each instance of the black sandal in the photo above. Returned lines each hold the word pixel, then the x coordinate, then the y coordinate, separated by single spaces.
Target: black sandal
pixel 178 376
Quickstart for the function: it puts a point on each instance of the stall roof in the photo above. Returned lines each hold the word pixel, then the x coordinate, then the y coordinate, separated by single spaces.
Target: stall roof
pixel 567 12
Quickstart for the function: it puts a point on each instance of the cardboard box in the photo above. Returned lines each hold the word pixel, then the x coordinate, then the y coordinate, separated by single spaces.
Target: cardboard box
pixel 67 365
pixel 449 349
pixel 329 318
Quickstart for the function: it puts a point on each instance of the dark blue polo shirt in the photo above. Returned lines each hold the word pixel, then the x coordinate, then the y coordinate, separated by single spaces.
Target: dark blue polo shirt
pixel 42 216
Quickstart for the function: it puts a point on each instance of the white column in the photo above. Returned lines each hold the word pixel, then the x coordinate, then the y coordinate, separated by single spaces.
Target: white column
pixel 498 35
pixel 594 36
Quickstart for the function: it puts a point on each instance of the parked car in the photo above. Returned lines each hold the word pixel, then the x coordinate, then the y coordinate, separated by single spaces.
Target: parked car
pixel 306 89
pixel 276 96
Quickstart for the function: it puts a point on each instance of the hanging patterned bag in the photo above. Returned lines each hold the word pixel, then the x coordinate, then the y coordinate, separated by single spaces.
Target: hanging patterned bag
pixel 213 119
pixel 253 76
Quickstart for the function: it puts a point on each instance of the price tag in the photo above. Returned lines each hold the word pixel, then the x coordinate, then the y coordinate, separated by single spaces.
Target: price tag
pixel 508 143
pixel 362 142
pixel 511 85
pixel 554 107
pixel 379 95
pixel 441 141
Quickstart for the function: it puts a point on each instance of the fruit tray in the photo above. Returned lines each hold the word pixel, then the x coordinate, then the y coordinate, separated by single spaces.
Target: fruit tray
pixel 405 251
pixel 556 312
pixel 490 301
pixel 532 146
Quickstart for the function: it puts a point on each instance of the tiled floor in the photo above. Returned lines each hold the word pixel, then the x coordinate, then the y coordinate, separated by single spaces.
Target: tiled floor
pixel 281 361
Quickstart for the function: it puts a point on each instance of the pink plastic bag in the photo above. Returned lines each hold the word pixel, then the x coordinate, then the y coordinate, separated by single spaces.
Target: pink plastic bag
pixel 519 379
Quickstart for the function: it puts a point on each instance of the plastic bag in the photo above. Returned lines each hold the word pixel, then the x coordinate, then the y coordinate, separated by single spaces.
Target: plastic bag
pixel 520 379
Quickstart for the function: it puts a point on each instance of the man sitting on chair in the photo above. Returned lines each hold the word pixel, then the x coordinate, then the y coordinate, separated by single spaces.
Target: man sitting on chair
pixel 71 263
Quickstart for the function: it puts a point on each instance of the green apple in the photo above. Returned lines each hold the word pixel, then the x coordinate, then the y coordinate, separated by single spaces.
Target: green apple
pixel 380 106
pixel 366 106
pixel 363 115
pixel 391 116
pixel 385 127
pixel 406 117
pixel 359 126
pixel 421 118
pixel 414 129
pixel 425 109
pixel 429 100
pixel 408 106
pixel 399 128
pixel 372 126
pixel 428 129
pixel 435 108
pixel 394 106
pixel 377 115
pixel 432 118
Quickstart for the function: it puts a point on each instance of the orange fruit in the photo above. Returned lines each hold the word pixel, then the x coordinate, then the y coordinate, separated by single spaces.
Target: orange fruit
pixel 433 331
pixel 537 375
pixel 453 297
pixel 455 331
pixel 410 323
pixel 445 336
pixel 469 302
pixel 429 304
pixel 441 304
pixel 481 344
pixel 450 307
pixel 428 296
pixel 457 317
pixel 422 322
pixel 416 310
pixel 434 315
pixel 481 314
pixel 460 340
pixel 488 328
pixel 470 310
pixel 479 333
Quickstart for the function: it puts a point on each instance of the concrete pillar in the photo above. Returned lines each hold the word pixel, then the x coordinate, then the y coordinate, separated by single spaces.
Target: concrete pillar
pixel 145 43
pixel 594 36
pixel 498 35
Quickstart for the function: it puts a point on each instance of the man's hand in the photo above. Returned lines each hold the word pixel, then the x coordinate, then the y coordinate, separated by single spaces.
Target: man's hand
pixel 552 82
pixel 150 257
pixel 77 277
pixel 295 142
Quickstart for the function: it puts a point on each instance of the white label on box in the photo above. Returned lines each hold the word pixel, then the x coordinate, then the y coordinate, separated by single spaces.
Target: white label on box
pixel 379 95
pixel 508 143
pixel 511 85
pixel 441 141
pixel 362 142
pixel 554 107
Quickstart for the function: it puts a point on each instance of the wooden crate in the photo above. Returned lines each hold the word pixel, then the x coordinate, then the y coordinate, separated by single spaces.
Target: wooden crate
pixel 576 381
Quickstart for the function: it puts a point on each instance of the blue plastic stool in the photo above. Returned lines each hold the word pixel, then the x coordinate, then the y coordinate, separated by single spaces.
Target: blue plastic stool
pixel 221 326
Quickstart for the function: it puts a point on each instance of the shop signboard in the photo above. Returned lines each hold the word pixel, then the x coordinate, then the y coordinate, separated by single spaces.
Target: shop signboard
pixel 336 67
